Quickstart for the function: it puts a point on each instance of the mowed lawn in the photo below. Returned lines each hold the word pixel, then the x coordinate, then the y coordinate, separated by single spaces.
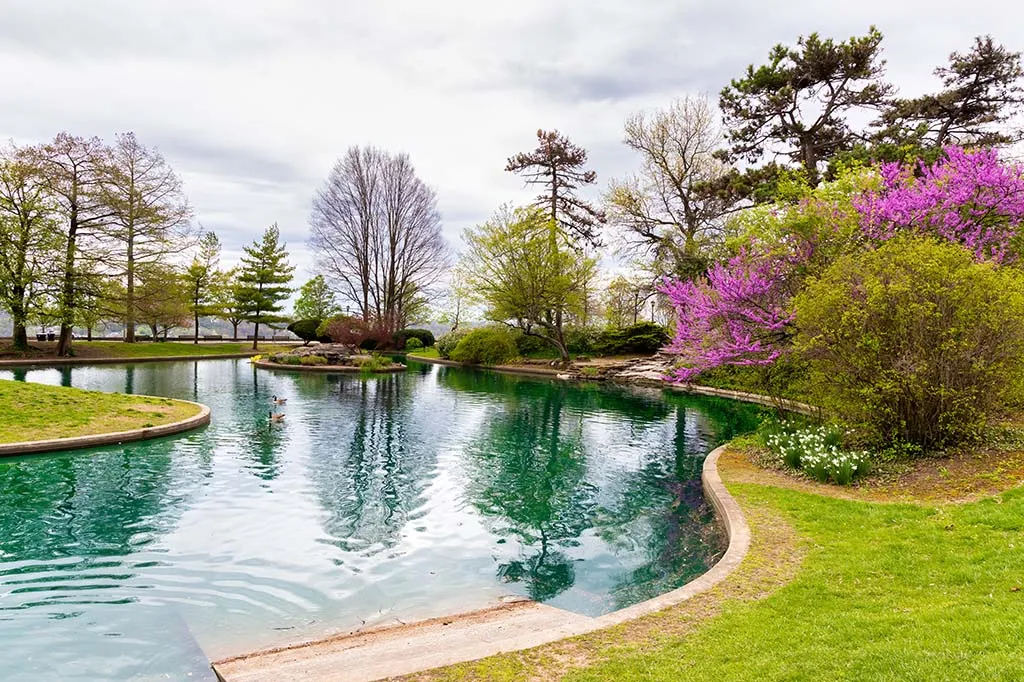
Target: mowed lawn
pixel 853 590
pixel 149 349
pixel 38 412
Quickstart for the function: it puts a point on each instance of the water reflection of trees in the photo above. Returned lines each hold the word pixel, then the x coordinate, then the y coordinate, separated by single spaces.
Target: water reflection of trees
pixel 527 476
pixel 531 478
pixel 373 453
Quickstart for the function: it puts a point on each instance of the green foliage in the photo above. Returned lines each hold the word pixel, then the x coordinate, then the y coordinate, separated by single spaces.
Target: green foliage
pixel 413 343
pixel 646 337
pixel 915 341
pixel 447 343
pixel 316 301
pixel 582 339
pixel 527 272
pixel 425 336
pixel 485 346
pixel 372 363
pixel 817 451
pixel 787 377
pixel 306 329
pixel 528 345
pixel 312 360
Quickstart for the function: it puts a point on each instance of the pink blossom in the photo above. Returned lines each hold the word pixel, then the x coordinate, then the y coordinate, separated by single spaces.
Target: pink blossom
pixel 736 315
pixel 968 197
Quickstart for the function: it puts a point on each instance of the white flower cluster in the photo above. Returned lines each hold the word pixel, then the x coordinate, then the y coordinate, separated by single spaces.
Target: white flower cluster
pixel 816 451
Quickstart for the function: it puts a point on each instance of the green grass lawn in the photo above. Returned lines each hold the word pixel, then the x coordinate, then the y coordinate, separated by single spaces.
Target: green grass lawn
pixel 425 353
pixel 149 349
pixel 882 592
pixel 38 412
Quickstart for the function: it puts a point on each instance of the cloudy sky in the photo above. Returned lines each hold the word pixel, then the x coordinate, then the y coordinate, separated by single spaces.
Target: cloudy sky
pixel 252 101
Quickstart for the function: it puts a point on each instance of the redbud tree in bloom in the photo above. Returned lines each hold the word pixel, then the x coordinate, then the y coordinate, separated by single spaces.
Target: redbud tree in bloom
pixel 740 313
pixel 736 315
pixel 968 197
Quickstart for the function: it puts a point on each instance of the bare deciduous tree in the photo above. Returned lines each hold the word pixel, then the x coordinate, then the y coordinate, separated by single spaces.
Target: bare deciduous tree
pixel 667 209
pixel 150 216
pixel 376 232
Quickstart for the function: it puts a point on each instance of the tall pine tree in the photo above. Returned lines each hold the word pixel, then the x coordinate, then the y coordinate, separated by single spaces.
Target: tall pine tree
pixel 263 280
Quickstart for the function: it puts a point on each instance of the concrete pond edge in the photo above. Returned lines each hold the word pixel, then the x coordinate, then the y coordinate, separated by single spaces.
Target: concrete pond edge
pixel 202 418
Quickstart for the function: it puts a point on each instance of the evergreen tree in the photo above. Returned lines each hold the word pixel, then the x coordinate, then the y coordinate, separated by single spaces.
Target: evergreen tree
pixel 559 166
pixel 797 105
pixel 263 280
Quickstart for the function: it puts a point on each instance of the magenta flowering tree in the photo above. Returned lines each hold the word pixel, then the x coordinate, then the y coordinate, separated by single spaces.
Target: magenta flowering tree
pixel 737 315
pixel 969 197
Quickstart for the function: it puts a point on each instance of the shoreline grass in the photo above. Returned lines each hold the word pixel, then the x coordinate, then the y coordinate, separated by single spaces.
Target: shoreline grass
pixel 40 412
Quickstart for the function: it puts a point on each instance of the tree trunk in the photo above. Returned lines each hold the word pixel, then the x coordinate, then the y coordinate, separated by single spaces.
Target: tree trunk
pixel 129 301
pixel 20 337
pixel 18 318
pixel 67 302
pixel 255 335
pixel 196 340
pixel 234 331
pixel 88 334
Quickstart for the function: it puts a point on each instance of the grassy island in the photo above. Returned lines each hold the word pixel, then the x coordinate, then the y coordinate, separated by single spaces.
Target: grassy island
pixel 38 412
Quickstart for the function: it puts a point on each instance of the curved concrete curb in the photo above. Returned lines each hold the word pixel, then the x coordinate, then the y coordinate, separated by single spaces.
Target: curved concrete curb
pixel 405 649
pixel 336 369
pixel 116 438
pixel 64 362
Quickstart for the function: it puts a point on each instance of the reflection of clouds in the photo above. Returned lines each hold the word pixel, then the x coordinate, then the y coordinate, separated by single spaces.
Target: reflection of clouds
pixel 371 462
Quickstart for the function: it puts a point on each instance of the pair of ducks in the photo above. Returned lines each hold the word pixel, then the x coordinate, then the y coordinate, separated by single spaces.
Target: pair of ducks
pixel 275 416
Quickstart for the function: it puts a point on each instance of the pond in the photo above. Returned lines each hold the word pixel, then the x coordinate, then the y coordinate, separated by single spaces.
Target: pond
pixel 376 500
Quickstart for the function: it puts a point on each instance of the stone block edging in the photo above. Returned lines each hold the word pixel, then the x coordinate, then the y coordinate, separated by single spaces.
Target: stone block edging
pixel 116 438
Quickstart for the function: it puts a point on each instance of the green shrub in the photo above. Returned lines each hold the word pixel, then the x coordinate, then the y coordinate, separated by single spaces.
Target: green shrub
pixel 485 346
pixel 312 360
pixel 581 339
pixel 527 346
pixel 373 363
pixel 425 336
pixel 914 341
pixel 446 344
pixel 645 338
pixel 413 343
pixel 306 329
pixel 290 360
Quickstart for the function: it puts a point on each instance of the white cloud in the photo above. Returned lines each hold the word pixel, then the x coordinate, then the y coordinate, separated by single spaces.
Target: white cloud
pixel 252 101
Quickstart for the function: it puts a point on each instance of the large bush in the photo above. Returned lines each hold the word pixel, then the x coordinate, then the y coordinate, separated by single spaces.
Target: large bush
pixel 646 337
pixel 582 340
pixel 353 331
pixel 528 345
pixel 425 336
pixel 915 341
pixel 413 343
pixel 307 330
pixel 447 343
pixel 485 346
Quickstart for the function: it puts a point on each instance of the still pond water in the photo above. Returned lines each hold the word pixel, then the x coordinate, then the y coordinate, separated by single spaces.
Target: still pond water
pixel 377 499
